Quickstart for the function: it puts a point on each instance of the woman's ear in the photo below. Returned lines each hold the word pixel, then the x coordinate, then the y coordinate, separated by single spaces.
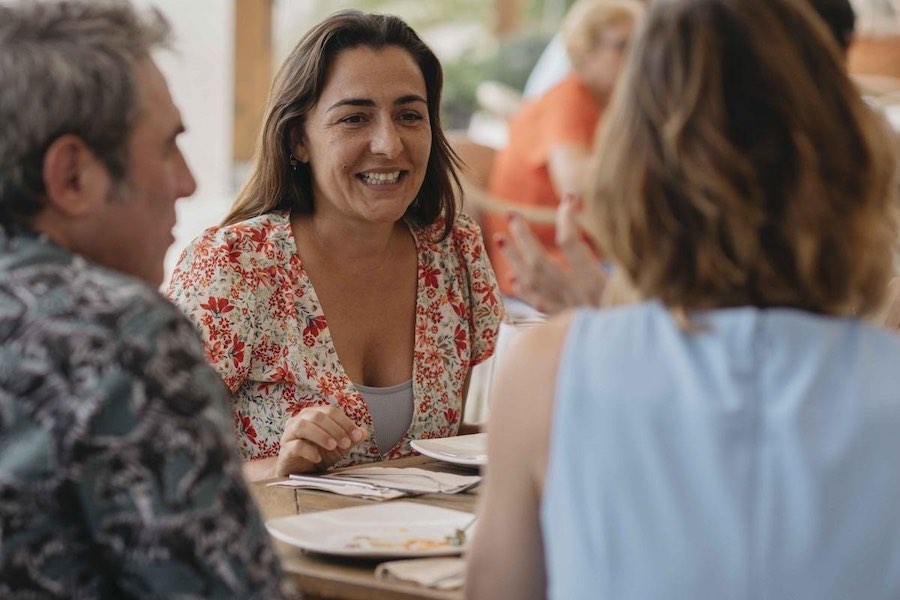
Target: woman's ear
pixel 300 153
pixel 75 180
pixel 298 145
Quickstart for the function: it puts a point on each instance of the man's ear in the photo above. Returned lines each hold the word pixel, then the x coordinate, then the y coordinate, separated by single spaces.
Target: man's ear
pixel 75 180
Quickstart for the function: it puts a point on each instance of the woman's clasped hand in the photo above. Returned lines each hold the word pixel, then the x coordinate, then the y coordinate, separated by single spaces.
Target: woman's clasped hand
pixel 316 438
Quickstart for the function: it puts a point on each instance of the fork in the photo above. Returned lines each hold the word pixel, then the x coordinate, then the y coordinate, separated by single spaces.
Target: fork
pixel 441 489
pixel 340 481
pixel 458 537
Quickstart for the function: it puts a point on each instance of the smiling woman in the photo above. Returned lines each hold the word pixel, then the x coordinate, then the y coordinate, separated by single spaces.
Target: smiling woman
pixel 368 139
pixel 344 301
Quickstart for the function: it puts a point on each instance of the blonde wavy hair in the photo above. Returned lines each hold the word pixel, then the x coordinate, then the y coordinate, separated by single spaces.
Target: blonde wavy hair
pixel 738 165
pixel 586 21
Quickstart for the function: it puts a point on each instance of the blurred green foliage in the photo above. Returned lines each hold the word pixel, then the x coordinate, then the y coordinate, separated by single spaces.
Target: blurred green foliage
pixel 510 64
pixel 509 61
pixel 420 14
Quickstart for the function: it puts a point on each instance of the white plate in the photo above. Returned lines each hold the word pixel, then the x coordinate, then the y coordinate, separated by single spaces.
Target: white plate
pixel 470 450
pixel 393 529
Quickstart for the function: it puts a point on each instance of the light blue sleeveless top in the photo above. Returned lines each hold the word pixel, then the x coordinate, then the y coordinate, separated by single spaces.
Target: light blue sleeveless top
pixel 758 459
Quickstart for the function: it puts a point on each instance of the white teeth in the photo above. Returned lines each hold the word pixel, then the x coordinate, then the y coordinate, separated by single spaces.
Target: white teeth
pixel 381 178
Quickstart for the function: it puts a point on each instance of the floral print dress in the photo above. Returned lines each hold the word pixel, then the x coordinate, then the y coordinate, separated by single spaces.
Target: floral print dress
pixel 244 286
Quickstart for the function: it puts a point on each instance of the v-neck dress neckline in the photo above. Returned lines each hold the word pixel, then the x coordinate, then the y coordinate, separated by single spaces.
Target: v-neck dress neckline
pixel 355 399
pixel 264 331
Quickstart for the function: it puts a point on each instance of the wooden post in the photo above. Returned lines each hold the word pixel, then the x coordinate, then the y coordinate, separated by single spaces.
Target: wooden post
pixel 252 72
pixel 509 17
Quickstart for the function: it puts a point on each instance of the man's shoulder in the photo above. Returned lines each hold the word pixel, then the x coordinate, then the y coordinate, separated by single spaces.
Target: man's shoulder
pixel 92 334
pixel 64 296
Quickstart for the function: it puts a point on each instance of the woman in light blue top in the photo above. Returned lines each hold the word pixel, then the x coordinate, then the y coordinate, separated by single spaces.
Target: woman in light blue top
pixel 736 435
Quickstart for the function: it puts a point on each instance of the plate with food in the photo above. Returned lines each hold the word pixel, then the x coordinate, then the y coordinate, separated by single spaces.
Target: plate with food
pixel 390 530
pixel 467 450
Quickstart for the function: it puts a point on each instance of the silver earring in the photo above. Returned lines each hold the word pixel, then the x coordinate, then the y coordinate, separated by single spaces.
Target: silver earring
pixel 293 162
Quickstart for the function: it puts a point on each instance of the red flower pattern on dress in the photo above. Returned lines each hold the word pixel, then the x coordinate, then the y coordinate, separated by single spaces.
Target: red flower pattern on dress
pixel 232 252
pixel 294 408
pixel 218 305
pixel 452 415
pixel 461 338
pixel 245 427
pixel 259 237
pixel 314 325
pixel 237 350
pixel 215 351
pixel 283 375
pixel 245 288
pixel 429 276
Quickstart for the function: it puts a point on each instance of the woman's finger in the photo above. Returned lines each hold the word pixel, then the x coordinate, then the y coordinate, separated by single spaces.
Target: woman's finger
pixel 326 426
pixel 347 425
pixel 530 250
pixel 316 431
pixel 585 275
pixel 297 456
pixel 569 239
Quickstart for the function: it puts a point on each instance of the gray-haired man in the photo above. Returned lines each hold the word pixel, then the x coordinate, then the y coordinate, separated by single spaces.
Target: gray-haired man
pixel 117 475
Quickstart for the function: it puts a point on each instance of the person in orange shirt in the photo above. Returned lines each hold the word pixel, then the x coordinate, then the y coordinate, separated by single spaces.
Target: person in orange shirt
pixel 550 139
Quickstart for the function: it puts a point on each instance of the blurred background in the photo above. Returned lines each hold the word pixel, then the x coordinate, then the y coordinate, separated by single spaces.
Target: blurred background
pixel 227 52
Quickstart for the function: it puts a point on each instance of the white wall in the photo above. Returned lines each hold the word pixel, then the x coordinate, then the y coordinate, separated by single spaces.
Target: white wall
pixel 200 76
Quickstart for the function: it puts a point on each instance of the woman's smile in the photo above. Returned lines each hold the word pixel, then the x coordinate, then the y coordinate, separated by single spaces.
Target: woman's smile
pixel 368 139
pixel 381 178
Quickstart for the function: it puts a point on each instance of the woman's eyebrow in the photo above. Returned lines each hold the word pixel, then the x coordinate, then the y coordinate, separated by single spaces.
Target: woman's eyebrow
pixel 352 102
pixel 407 99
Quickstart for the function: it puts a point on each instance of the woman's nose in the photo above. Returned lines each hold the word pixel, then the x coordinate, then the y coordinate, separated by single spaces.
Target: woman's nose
pixel 386 140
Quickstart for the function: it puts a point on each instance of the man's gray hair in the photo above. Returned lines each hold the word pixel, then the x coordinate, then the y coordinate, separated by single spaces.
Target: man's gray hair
pixel 67 67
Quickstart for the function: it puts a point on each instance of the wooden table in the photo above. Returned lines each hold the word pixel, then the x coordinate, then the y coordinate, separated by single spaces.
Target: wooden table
pixel 340 577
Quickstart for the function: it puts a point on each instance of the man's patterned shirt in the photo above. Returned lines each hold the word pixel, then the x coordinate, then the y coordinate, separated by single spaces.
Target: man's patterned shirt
pixel 117 473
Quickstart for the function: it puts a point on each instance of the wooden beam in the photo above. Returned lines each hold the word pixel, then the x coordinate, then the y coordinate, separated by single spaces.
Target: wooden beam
pixel 252 72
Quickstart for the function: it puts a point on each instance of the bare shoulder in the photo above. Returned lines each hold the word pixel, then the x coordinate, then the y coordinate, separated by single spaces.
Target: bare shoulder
pixel 889 315
pixel 523 392
pixel 542 343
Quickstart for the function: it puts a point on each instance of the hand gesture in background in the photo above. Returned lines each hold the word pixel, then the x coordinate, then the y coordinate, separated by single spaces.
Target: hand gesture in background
pixel 540 280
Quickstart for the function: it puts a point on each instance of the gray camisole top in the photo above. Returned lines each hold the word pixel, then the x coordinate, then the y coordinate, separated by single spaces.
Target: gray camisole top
pixel 391 409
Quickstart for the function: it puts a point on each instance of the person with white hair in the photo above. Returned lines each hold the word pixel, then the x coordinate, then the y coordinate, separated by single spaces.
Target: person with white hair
pixel 551 137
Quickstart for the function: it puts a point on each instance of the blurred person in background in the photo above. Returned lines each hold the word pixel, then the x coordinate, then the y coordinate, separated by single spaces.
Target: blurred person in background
pixel 875 54
pixel 345 300
pixel 118 474
pixel 551 137
pixel 729 437
pixel 550 285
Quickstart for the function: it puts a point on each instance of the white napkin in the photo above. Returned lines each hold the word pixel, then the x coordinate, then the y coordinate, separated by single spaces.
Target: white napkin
pixel 344 489
pixel 438 573
pixel 411 480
